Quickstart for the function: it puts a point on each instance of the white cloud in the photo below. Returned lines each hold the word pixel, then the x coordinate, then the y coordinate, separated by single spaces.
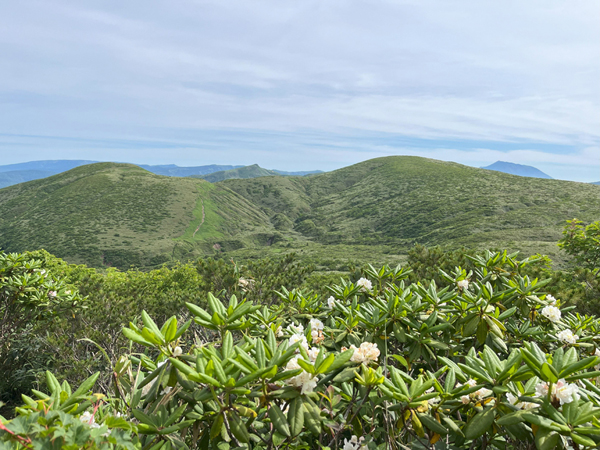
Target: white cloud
pixel 521 72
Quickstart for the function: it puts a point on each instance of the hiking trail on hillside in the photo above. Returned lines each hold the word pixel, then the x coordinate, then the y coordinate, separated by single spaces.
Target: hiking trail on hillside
pixel 202 203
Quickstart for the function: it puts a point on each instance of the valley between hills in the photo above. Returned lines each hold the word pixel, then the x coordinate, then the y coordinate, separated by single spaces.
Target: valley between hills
pixel 120 215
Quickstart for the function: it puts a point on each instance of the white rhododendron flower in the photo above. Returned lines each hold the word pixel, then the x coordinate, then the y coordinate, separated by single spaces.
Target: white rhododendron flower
pixel 482 393
pixel 561 390
pixel 316 324
pixel 354 443
pixel 433 400
pixel 304 380
pixel 463 284
pixel 364 284
pixel 177 351
pixel 51 294
pixel 479 394
pixel 279 332
pixel 331 302
pixel 298 337
pixel 316 331
pixel 366 353
pixel 313 353
pixel 292 364
pixel 567 336
pixel 550 299
pixel 597 353
pixel 552 313
pixel 514 400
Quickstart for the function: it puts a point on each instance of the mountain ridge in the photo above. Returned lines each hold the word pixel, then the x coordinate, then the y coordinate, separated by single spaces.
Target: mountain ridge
pixel 517 169
pixel 119 214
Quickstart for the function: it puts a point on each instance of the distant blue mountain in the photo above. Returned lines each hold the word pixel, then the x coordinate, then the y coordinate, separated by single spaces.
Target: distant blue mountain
pixel 19 173
pixel 21 176
pixel 53 166
pixel 596 182
pixel 171 170
pixel 298 174
pixel 517 169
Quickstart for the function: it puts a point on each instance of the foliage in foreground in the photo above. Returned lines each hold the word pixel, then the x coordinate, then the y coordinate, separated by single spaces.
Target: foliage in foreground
pixel 489 361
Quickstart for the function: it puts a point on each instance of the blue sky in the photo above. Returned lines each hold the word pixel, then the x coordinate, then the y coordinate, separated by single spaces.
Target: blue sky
pixel 301 85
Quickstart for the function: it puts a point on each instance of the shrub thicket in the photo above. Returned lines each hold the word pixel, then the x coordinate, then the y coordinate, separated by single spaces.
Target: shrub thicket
pixel 489 361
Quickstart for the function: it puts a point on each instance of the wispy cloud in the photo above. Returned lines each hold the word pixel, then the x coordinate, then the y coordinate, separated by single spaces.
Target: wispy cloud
pixel 229 81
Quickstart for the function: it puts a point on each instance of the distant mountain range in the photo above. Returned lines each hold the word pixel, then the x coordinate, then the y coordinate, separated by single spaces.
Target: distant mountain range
pixel 253 171
pixel 517 169
pixel 109 214
pixel 18 173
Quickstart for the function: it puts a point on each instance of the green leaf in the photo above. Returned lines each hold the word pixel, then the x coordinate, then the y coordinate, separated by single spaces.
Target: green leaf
pixel 341 359
pixel 198 312
pixel 349 373
pixel 279 420
pixel 135 337
pixel 326 364
pixel 52 382
pixel 151 325
pixel 238 427
pixel 549 373
pixel 577 366
pixel 306 366
pixel 479 424
pixel 170 329
pixel 432 424
pixel 296 416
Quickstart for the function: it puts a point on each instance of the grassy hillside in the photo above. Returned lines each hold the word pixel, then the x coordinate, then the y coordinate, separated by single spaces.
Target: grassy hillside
pixel 118 214
pixel 399 201
pixel 110 214
pixel 253 171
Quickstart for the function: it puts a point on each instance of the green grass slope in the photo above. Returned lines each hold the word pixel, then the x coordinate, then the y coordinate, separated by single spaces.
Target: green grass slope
pixel 253 171
pixel 118 214
pixel 109 214
pixel 399 201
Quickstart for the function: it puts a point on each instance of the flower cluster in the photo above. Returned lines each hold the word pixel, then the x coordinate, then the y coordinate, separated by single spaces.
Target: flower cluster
pixel 365 284
pixel 316 331
pixel 304 380
pixel 366 353
pixel 479 394
pixel 331 302
pixel 354 443
pixel 463 284
pixel 552 313
pixel 299 337
pixel 245 284
pixel 561 391
pixel 514 400
pixel 567 337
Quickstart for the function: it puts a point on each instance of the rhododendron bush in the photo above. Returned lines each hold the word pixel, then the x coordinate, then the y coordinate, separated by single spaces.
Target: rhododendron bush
pixel 491 361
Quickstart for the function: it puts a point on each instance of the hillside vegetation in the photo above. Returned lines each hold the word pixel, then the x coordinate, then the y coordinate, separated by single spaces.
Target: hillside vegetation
pixel 121 215
pixel 109 214
pixel 253 171
pixel 400 201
